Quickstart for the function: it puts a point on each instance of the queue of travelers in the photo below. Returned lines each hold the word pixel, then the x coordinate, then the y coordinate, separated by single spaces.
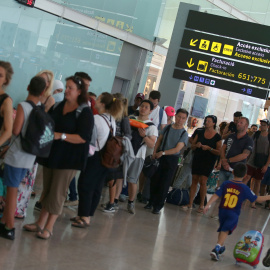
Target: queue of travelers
pixel 83 124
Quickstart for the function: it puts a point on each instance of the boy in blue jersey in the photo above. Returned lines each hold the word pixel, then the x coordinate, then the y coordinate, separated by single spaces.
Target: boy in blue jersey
pixel 232 193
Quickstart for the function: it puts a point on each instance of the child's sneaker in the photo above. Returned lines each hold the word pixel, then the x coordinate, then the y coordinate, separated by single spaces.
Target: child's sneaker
pixel 266 259
pixel 222 250
pixel 215 253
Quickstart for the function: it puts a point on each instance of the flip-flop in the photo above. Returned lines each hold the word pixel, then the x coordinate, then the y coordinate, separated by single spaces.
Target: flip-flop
pixel 35 227
pixel 254 207
pixel 200 210
pixel 80 223
pixel 42 236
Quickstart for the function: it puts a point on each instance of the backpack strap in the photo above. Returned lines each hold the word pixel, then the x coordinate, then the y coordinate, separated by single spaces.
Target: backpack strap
pixel 166 133
pixel 46 100
pixel 160 117
pixel 256 135
pixel 80 109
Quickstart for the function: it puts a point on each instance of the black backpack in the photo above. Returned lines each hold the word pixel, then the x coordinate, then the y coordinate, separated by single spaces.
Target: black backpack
pixel 39 135
pixel 137 141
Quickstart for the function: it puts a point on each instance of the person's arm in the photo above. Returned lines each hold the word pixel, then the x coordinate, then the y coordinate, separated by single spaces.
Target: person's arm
pixel 163 123
pixel 171 151
pixel 50 102
pixel 71 138
pixel 261 199
pixel 212 199
pixel 162 126
pixel 195 144
pixel 223 159
pixel 157 145
pixel 149 140
pixel 7 112
pixel 240 157
pixel 85 125
pixel 18 122
pixel 212 150
pixel 265 167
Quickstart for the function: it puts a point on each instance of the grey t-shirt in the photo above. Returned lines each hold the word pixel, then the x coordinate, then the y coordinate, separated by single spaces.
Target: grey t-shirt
pixel 261 146
pixel 16 156
pixel 174 137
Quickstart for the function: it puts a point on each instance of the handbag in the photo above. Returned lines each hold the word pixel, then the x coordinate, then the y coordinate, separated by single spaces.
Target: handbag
pixel 150 166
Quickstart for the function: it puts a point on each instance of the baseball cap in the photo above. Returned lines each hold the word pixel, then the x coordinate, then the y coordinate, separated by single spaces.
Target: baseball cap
pixel 265 121
pixel 140 95
pixel 170 111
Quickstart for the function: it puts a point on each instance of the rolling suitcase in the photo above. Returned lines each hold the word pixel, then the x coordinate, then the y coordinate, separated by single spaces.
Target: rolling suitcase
pixel 249 248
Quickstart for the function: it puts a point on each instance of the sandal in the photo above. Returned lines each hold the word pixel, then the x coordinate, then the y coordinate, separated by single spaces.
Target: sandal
pixel 200 210
pixel 186 207
pixel 253 206
pixel 34 227
pixel 80 223
pixel 75 218
pixel 43 236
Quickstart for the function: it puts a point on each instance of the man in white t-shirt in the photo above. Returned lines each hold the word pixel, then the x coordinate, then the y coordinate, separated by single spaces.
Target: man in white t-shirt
pixel 142 138
pixel 157 117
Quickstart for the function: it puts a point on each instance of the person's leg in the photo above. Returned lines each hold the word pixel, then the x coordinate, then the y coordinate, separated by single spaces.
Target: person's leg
pixel 72 190
pixel 132 189
pixel 193 188
pixel 48 229
pixel 263 190
pixel 222 237
pixel 10 207
pixel 12 178
pixel 203 189
pixel 119 187
pixel 142 180
pixel 257 185
pixel 112 190
pixel 167 172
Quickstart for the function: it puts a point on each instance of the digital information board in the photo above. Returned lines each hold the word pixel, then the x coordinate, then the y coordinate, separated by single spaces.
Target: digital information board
pixel 232 59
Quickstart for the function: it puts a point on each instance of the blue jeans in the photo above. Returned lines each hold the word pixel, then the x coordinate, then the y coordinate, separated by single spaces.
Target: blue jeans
pixel 224 176
pixel 72 190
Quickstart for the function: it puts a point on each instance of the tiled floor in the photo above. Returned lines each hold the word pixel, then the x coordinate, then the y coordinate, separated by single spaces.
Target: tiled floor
pixel 172 240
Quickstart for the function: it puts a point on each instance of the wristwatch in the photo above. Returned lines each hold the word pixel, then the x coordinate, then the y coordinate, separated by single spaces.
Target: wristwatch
pixel 163 153
pixel 63 136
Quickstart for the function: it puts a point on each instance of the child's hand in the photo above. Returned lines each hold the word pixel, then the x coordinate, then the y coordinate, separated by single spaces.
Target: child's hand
pixel 206 208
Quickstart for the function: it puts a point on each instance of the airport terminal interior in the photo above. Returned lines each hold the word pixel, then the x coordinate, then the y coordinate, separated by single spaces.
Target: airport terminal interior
pixel 131 47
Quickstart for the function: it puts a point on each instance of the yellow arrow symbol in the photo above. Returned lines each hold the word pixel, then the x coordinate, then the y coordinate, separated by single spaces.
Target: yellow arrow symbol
pixel 193 42
pixel 190 64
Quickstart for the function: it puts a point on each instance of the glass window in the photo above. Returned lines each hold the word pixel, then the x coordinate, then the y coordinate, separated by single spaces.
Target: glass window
pixel 32 40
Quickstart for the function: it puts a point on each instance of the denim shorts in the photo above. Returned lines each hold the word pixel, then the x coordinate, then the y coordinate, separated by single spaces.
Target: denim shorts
pixel 13 176
pixel 224 176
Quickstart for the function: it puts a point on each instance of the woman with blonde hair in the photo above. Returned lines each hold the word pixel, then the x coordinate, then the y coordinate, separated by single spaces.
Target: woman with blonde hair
pixel 91 180
pixel 47 99
pixel 116 178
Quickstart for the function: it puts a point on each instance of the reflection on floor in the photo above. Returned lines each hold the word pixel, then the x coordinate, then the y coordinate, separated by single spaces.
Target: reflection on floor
pixel 172 240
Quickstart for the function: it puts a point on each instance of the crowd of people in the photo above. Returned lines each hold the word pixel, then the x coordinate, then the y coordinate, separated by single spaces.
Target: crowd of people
pixel 79 116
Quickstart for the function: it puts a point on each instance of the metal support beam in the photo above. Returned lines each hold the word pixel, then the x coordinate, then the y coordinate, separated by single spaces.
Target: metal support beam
pixel 232 10
pixel 92 23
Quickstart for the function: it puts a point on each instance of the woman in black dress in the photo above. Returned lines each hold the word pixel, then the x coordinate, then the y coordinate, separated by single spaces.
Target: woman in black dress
pixel 206 146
